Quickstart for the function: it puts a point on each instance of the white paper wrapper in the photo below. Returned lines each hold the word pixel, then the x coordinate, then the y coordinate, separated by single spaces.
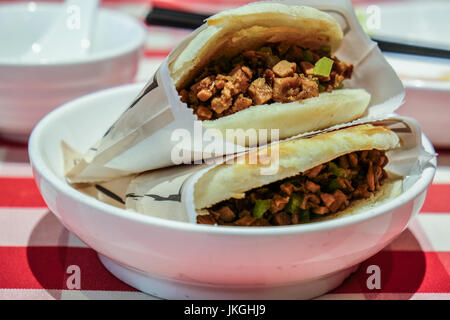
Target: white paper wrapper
pixel 158 193
pixel 141 139
pixel 112 192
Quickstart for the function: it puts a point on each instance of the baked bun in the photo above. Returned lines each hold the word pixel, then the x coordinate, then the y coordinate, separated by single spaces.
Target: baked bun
pixel 296 156
pixel 234 31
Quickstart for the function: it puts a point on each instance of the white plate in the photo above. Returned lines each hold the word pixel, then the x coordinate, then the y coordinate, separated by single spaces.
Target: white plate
pixel 29 90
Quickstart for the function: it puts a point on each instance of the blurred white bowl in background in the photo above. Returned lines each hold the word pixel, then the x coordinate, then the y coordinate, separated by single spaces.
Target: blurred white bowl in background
pixel 423 23
pixel 426 79
pixel 427 84
pixel 29 90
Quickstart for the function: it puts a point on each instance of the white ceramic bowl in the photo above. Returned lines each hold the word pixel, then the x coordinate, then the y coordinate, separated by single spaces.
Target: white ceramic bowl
pixel 179 260
pixel 28 91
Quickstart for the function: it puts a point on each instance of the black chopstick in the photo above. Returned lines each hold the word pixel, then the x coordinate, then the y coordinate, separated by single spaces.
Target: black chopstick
pixel 397 47
pixel 188 20
pixel 174 18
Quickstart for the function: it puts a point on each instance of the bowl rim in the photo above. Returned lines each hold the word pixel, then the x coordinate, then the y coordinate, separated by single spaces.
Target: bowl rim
pixel 134 42
pixel 414 82
pixel 45 172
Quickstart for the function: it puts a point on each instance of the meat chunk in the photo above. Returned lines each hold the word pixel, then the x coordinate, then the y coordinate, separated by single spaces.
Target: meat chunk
pixel 225 214
pixel 327 199
pixel 382 161
pixel 236 82
pixel 340 200
pixel 314 172
pixel 361 192
pixel 204 89
pixel 222 103
pixel 313 199
pixel 343 162
pixel 336 79
pixel 346 184
pixel 287 89
pixel 310 87
pixel 278 203
pixel 343 68
pixel 206 219
pixel 184 94
pixel 284 68
pixel 244 213
pixel 282 219
pixel 353 159
pixel 269 76
pixel 240 77
pixel 311 186
pixel 260 91
pixel 204 113
pixel 307 67
pixel 204 94
pixel 245 221
pixel 321 210
pixel 287 188
pixel 295 53
pixel 370 177
pixel 219 84
pixel 261 223
pixel 241 103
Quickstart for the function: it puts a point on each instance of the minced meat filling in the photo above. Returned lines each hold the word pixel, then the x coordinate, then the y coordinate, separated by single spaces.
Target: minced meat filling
pixel 325 189
pixel 274 73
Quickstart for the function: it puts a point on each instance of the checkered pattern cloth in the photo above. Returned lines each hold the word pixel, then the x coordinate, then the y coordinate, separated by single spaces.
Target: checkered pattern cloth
pixel 36 250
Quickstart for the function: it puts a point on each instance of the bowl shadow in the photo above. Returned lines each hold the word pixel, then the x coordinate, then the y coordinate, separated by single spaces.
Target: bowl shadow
pixel 401 272
pixel 50 263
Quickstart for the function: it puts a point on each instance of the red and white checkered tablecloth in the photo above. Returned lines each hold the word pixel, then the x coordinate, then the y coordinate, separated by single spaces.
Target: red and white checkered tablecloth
pixel 36 250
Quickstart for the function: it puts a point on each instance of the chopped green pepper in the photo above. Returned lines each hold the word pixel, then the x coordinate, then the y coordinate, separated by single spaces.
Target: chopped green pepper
pixel 304 216
pixel 261 206
pixel 334 185
pixel 323 67
pixel 334 169
pixel 340 86
pixel 294 203
pixel 325 49
pixel 272 60
pixel 314 216
pixel 307 56
pixel 266 49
